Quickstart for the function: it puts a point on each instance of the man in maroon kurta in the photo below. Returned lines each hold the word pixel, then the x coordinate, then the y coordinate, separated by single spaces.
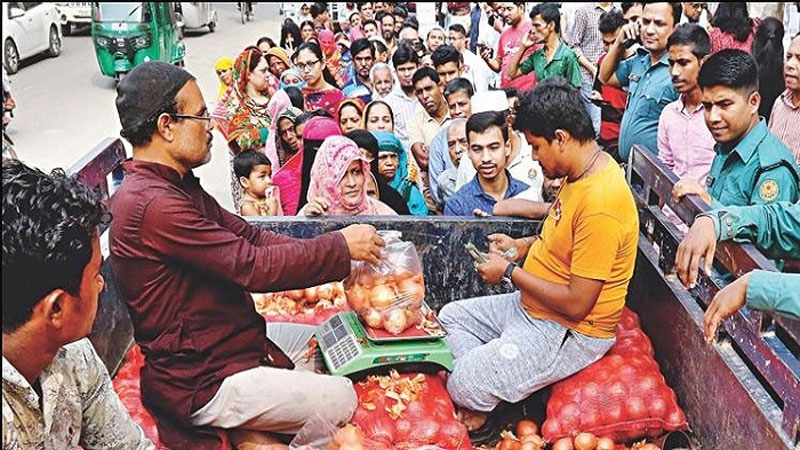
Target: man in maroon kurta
pixel 185 265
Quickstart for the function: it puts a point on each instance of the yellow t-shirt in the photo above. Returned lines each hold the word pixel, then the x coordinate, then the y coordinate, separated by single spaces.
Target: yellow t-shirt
pixel 592 232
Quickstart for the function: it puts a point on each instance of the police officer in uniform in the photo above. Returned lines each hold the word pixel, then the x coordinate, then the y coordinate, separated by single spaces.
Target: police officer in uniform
pixel 751 166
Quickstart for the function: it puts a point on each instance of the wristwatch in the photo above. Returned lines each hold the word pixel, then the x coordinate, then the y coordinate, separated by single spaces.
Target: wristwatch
pixel 507 274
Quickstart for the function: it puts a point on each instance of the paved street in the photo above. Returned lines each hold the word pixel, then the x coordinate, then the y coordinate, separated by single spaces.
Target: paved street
pixel 65 106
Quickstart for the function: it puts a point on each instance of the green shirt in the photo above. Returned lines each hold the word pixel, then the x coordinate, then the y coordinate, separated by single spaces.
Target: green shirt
pixel 759 170
pixel 773 228
pixel 774 291
pixel 564 64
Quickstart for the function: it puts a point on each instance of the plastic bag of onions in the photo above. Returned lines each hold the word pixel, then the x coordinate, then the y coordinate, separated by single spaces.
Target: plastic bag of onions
pixel 388 296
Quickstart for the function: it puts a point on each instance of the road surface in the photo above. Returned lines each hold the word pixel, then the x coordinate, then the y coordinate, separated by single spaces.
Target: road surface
pixel 65 106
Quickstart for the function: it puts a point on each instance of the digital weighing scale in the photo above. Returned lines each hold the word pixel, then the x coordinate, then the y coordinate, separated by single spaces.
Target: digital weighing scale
pixel 348 348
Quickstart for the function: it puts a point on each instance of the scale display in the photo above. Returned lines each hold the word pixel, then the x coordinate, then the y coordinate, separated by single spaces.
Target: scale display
pixel 347 349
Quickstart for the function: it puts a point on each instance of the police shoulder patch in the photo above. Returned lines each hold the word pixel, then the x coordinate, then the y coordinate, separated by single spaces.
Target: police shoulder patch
pixel 768 191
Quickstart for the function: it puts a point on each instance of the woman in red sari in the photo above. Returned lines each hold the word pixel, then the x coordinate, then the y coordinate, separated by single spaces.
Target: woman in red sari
pixel 318 93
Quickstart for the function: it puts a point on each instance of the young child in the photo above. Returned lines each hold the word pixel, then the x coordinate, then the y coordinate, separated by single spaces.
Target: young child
pixel 260 197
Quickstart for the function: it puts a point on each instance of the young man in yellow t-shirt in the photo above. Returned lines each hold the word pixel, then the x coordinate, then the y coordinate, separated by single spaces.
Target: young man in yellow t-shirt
pixel 572 285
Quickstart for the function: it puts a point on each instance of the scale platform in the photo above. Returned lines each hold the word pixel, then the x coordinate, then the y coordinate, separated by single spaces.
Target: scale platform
pixel 347 348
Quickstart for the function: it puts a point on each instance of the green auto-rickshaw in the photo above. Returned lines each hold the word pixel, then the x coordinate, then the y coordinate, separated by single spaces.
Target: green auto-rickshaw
pixel 128 34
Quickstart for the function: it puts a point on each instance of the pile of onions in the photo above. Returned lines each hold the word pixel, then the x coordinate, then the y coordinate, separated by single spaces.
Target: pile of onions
pixel 301 301
pixel 387 302
pixel 527 438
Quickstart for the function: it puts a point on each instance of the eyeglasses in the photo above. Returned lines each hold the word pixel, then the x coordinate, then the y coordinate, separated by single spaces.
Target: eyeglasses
pixel 205 116
pixel 306 66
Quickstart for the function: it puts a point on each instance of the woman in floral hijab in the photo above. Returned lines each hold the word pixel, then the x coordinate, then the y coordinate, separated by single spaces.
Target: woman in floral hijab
pixel 242 114
pixel 339 182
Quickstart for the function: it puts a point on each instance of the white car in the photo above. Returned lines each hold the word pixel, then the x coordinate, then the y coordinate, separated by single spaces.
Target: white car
pixel 73 15
pixel 29 28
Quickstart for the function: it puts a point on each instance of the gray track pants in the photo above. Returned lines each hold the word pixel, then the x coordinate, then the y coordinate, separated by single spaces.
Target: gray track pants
pixel 502 354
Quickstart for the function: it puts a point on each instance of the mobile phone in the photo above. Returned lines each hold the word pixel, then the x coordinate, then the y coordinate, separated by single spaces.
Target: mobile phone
pixel 628 43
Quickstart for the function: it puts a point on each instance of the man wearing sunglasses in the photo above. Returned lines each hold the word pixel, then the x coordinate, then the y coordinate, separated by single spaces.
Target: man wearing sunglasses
pixel 185 267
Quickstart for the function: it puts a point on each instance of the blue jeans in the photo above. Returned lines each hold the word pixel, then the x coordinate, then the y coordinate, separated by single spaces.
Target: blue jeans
pixel 594 110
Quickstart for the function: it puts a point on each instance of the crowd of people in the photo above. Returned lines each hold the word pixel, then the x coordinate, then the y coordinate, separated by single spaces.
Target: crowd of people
pixel 506 112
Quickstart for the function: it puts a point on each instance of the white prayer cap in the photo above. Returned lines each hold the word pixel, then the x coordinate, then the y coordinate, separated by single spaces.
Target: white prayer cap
pixel 489 101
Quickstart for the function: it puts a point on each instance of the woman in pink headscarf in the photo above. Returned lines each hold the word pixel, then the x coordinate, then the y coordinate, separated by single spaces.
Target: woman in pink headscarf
pixel 294 178
pixel 276 106
pixel 339 180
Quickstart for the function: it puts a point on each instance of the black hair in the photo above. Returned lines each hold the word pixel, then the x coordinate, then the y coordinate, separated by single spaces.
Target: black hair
pixel 259 55
pixel 142 134
pixel 400 11
pixel 295 96
pixel 412 22
pixel 359 45
pixel 266 39
pixel 446 54
pixel 691 35
pixel 244 162
pixel 366 140
pixel 367 22
pixel 768 51
pixel 49 223
pixel 303 118
pixel 290 29
pixel 733 18
pixel 378 46
pixel 307 22
pixel 459 85
pixel 677 11
pixel 374 103
pixel 458 28
pixel 354 14
pixel 425 72
pixel 380 15
pixel 628 5
pixel 362 4
pixel 610 21
pixel 318 8
pixel 511 92
pixel 482 121
pixel 380 19
pixel 552 105
pixel 314 48
pixel 550 14
pixel 730 68
pixel 404 54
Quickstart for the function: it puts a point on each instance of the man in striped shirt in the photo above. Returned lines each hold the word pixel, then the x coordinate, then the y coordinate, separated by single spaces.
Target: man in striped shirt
pixel 784 122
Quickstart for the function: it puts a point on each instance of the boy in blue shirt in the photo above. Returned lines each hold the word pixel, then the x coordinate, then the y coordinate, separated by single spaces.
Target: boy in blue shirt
pixel 489 150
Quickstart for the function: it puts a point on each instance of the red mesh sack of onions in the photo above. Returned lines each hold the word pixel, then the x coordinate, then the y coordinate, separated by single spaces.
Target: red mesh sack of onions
pixel 409 411
pixel 388 296
pixel 622 396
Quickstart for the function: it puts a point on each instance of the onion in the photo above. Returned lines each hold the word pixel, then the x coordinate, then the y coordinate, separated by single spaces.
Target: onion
pixel 414 316
pixel 296 294
pixel 605 443
pixel 425 432
pixel 526 427
pixel 373 319
pixel 382 296
pixel 563 444
pixel 326 292
pixel 635 408
pixel 452 434
pixel 412 292
pixel 403 429
pixel 657 408
pixel 585 441
pixel 310 295
pixel 357 298
pixel 509 443
pixel 396 322
pixel 535 440
pixel 551 428
pixel 380 429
